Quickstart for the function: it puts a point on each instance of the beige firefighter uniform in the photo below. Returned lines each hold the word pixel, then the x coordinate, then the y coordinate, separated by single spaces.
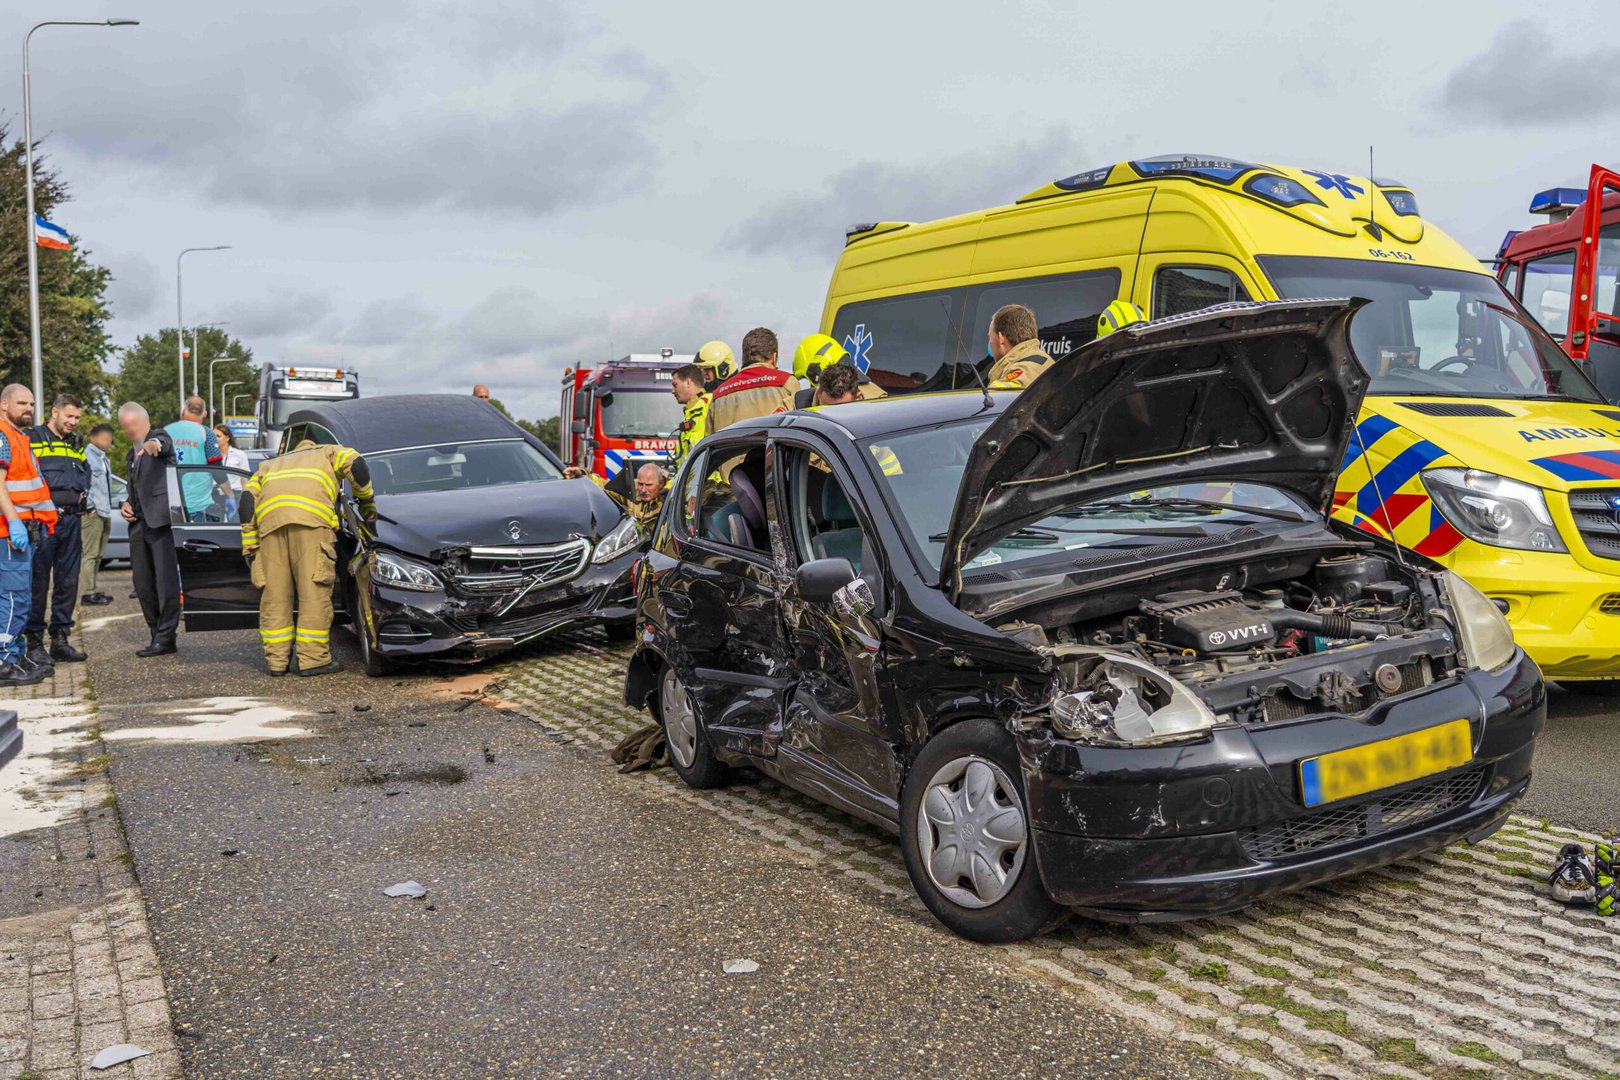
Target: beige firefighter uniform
pixel 1021 365
pixel 289 529
pixel 756 390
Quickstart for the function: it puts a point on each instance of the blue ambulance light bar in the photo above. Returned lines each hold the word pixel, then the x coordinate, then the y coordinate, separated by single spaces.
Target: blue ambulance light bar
pixel 1557 203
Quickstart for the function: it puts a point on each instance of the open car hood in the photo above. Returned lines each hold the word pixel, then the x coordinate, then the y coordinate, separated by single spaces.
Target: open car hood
pixel 1266 392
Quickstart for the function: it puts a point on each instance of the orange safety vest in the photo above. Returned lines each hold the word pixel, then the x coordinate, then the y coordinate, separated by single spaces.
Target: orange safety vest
pixel 24 484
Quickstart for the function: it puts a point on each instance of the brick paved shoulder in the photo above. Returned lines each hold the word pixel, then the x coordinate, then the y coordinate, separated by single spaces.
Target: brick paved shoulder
pixel 78 971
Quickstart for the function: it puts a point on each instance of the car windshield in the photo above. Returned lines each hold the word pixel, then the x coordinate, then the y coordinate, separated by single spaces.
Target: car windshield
pixel 451 466
pixel 1436 333
pixel 632 413
pixel 923 470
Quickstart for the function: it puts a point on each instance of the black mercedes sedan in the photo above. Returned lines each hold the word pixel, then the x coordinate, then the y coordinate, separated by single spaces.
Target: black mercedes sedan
pixel 480 543
pixel 1095 646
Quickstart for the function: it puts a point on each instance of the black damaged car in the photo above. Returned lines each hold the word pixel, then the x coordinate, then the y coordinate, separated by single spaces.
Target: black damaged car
pixel 480 544
pixel 1092 647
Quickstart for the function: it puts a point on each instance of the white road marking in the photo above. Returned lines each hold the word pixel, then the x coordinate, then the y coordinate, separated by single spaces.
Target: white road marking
pixel 220 719
pixel 49 726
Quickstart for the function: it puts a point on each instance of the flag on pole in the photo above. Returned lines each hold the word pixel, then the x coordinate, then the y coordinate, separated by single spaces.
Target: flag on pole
pixel 47 235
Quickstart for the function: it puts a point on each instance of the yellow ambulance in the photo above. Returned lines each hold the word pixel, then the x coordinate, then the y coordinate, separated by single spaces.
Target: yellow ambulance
pixel 1481 445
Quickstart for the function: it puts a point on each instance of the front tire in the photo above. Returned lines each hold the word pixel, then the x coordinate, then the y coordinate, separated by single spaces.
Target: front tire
pixel 965 834
pixel 689 752
pixel 375 665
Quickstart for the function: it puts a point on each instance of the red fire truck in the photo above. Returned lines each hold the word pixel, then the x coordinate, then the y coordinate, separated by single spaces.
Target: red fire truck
pixel 621 413
pixel 1566 272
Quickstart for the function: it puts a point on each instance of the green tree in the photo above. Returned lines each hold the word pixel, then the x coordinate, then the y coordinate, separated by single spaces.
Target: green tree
pixel 72 291
pixel 545 430
pixel 149 373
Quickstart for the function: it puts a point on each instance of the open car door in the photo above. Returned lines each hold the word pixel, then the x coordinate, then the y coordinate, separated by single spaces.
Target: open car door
pixel 216 592
pixel 1594 316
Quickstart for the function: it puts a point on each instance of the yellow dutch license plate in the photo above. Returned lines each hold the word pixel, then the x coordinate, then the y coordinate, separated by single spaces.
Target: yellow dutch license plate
pixel 1383 764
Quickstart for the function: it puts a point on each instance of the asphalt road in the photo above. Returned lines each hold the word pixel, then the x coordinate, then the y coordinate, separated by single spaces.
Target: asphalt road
pixel 576 921
pixel 1574 784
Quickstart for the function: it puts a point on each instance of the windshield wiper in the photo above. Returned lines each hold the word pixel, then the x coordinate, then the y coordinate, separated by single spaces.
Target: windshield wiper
pixel 1205 504
pixel 1018 534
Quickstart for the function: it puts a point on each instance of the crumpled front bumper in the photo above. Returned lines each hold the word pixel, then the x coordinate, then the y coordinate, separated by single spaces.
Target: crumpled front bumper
pixel 1150 834
pixel 405 624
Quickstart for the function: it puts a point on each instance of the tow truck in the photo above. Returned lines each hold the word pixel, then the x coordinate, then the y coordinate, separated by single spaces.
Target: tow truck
pixel 285 390
pixel 620 413
pixel 1566 271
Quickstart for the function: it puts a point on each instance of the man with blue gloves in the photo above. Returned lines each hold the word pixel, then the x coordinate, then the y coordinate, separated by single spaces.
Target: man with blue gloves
pixel 30 515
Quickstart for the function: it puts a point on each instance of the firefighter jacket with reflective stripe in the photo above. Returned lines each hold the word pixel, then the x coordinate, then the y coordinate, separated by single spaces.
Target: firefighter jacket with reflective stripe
pixel 756 390
pixel 24 483
pixel 63 465
pixel 1022 365
pixel 301 488
pixel 694 425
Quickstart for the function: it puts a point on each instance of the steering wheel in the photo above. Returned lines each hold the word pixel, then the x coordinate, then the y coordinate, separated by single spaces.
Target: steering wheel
pixel 1465 361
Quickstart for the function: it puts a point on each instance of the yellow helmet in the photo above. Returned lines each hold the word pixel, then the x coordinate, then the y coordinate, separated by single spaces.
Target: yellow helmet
pixel 1117 316
pixel 816 354
pixel 715 357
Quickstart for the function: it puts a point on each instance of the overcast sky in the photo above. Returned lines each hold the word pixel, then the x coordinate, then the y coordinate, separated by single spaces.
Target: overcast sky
pixel 440 193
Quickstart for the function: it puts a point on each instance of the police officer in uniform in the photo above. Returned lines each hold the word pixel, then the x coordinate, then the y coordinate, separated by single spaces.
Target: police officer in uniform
pixel 59 449
pixel 687 386
pixel 289 532
pixel 30 515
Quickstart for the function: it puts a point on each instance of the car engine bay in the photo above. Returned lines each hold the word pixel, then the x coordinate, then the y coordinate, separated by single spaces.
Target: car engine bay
pixel 1351 630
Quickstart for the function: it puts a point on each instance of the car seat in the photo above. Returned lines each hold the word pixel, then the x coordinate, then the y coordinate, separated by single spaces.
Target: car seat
pixel 841 536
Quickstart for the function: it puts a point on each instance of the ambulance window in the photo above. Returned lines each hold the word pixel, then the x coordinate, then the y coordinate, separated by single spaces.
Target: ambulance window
pixel 1180 289
pixel 902 339
pixel 1066 307
pixel 1546 291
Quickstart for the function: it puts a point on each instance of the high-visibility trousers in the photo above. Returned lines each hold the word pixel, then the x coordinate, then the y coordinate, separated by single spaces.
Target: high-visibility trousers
pixel 296 565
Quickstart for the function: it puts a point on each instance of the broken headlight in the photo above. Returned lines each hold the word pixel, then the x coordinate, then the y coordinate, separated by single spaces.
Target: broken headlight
pixel 1121 699
pixel 1487 639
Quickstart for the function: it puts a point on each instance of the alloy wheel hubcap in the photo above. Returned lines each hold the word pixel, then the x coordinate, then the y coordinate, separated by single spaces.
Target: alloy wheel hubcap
pixel 971 832
pixel 680 721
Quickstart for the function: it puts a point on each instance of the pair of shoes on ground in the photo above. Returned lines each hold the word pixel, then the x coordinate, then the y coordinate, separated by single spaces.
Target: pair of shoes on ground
pixel 331 667
pixel 157 648
pixel 96 599
pixel 1579 878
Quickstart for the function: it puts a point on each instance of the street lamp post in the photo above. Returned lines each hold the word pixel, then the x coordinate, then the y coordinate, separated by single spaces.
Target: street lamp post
pixel 225 389
pixel 213 413
pixel 28 157
pixel 180 319
pixel 234 399
pixel 194 354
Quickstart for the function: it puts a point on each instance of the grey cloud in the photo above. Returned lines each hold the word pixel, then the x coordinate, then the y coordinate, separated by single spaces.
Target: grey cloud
pixel 1530 78
pixel 136 287
pixel 275 312
pixel 916 191
pixel 520 109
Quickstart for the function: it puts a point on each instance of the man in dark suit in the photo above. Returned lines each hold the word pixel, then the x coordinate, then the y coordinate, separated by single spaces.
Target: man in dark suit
pixel 151 541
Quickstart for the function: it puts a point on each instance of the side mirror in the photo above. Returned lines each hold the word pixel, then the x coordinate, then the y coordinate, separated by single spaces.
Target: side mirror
pixel 577 427
pixel 820 579
pixel 604 400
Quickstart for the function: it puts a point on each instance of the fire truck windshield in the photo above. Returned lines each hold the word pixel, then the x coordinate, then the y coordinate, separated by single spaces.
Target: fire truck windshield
pixel 635 413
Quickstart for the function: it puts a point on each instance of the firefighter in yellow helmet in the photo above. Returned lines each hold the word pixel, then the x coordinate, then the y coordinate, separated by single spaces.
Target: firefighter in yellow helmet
pixel 1117 316
pixel 717 362
pixel 288 512
pixel 812 358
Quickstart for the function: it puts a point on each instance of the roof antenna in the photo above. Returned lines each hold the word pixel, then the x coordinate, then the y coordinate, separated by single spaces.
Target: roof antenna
pixel 961 329
pixel 1372 195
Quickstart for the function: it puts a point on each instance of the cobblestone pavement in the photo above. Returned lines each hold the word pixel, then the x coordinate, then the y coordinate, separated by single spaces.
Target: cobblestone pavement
pixel 1452 965
pixel 78 972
